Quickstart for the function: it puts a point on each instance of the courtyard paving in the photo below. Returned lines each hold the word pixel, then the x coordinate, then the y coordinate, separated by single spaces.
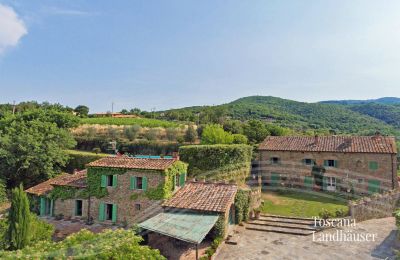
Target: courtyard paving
pixel 265 245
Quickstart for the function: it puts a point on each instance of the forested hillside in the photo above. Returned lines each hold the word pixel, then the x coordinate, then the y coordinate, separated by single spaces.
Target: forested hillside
pixel 300 116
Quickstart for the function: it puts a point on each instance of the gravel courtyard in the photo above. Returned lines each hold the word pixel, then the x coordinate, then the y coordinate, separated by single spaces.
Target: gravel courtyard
pixel 266 245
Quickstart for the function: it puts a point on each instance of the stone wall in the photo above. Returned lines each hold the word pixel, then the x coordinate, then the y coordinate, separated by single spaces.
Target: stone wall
pixel 352 167
pixel 67 208
pixel 376 206
pixel 124 197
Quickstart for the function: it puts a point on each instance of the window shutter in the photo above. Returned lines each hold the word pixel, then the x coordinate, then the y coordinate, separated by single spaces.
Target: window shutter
pixel 182 179
pixel 51 207
pixel 336 163
pixel 101 211
pixel 42 206
pixel 326 163
pixel 115 180
pixel 324 183
pixel 144 183
pixel 133 183
pixel 114 213
pixel 103 181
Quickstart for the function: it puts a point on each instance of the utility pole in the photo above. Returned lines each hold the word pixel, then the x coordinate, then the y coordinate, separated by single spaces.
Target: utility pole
pixel 14 107
pixel 112 107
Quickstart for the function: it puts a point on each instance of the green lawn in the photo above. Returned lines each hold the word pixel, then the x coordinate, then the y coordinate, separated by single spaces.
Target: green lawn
pixel 300 204
pixel 144 122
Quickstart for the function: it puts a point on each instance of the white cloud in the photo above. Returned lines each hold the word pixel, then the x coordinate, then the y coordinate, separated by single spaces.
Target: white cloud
pixel 71 12
pixel 12 28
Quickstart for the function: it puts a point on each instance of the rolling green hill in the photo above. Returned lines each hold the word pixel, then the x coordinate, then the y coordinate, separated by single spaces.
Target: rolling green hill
pixel 301 116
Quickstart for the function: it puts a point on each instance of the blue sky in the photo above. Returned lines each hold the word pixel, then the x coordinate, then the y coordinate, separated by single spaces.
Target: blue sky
pixel 165 54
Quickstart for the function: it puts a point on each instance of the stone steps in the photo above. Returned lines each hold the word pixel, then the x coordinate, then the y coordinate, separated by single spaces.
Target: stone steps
pixel 284 225
pixel 283 230
pixel 280 224
pixel 288 221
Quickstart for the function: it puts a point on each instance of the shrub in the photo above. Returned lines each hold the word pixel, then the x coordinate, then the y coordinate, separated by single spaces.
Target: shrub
pixel 152 134
pixel 3 192
pixel 131 132
pixel 397 217
pixel 118 244
pixel 40 230
pixel 325 214
pixel 190 134
pixel 242 206
pixel 171 133
pixel 215 134
pixel 239 139
pixel 340 213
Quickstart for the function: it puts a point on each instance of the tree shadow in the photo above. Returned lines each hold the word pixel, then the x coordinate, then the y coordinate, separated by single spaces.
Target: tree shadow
pixel 387 249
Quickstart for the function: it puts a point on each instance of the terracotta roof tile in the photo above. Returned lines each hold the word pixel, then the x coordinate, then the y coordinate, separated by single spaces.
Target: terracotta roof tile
pixel 77 180
pixel 340 144
pixel 133 163
pixel 210 197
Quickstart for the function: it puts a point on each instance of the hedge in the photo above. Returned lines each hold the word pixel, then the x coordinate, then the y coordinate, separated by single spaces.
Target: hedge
pixel 78 159
pixel 134 148
pixel 211 157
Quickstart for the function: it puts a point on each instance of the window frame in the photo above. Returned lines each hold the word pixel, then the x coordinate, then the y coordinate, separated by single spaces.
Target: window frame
pixel 76 208
pixel 141 182
pixel 275 160
pixel 110 181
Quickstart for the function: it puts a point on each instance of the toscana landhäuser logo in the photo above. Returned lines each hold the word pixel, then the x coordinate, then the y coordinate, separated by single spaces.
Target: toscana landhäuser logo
pixel 342 234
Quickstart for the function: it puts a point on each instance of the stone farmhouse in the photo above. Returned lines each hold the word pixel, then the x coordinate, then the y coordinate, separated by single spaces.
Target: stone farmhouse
pixel 359 164
pixel 112 190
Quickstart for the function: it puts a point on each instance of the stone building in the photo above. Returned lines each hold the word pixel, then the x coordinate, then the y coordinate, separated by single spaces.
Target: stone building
pixel 359 164
pixel 116 189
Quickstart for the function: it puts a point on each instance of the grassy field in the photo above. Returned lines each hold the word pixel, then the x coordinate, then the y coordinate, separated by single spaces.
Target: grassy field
pixel 300 204
pixel 144 122
pixel 84 153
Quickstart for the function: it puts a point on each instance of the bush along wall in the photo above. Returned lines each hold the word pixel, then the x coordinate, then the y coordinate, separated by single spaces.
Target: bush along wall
pixel 78 159
pixel 134 148
pixel 242 205
pixel 217 162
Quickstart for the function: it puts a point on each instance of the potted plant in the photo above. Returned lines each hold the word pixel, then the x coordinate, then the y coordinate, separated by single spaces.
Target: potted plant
pixel 257 213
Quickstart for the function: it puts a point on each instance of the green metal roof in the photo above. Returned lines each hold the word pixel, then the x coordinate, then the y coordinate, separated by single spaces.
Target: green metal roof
pixel 187 226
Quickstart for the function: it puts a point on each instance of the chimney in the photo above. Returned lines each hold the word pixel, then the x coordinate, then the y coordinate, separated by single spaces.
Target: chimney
pixel 316 140
pixel 175 155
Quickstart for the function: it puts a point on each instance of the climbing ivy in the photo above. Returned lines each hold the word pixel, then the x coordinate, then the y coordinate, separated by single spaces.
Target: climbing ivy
pixel 164 190
pixel 94 180
pixel 219 229
pixel 64 192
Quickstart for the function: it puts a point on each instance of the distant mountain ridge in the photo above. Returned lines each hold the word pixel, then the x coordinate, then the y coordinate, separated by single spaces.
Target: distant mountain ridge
pixel 384 100
pixel 326 117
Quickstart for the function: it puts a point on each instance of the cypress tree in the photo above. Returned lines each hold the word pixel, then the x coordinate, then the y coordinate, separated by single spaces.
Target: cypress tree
pixel 19 219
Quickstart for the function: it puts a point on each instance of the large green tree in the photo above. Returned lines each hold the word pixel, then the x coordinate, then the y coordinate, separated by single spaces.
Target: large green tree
pixel 82 110
pixel 256 131
pixel 33 145
pixel 19 219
